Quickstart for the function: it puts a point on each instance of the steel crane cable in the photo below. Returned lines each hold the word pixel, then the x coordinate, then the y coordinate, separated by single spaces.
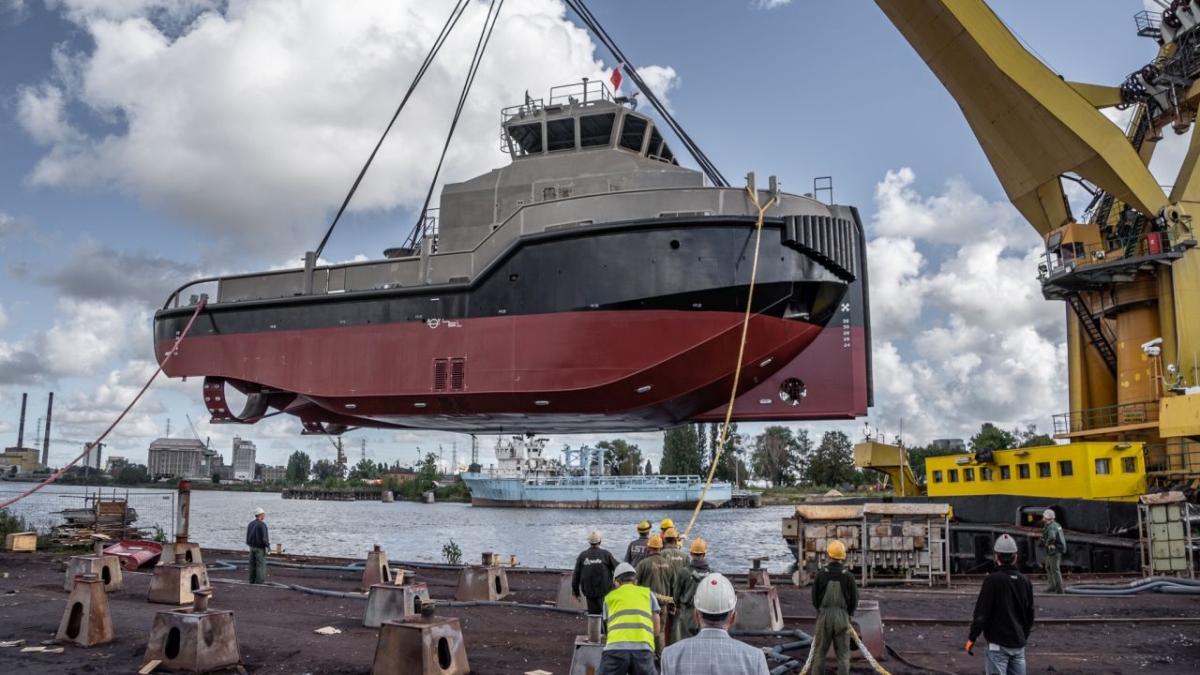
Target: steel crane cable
pixel 455 14
pixel 710 169
pixel 737 371
pixel 485 36
pixel 88 448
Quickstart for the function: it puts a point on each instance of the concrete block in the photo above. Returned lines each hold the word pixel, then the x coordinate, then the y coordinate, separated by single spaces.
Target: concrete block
pixel 433 647
pixel 476 582
pixel 106 567
pixel 174 584
pixel 386 602
pixel 376 571
pixel 193 641
pixel 86 621
pixel 171 551
pixel 585 660
pixel 758 609
pixel 565 599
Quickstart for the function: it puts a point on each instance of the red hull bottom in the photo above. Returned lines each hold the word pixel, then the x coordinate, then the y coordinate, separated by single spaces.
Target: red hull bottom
pixel 561 372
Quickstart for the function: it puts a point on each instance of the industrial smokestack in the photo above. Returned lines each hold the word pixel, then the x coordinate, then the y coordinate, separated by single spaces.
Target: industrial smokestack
pixel 46 439
pixel 21 429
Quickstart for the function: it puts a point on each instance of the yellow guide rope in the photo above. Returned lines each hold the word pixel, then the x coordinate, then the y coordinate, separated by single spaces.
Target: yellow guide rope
pixel 737 373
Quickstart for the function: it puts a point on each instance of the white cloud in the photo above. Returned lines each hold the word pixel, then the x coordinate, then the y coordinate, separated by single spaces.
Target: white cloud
pixel 962 333
pixel 771 4
pixel 89 334
pixel 251 122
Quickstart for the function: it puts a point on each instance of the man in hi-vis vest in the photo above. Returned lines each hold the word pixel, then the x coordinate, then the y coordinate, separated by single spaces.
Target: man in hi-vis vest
pixel 631 614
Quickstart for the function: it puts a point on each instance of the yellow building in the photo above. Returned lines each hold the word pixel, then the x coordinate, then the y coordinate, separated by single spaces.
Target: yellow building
pixel 26 459
pixel 1108 471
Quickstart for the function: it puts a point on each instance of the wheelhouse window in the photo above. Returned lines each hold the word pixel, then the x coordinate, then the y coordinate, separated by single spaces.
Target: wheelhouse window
pixel 953 475
pixel 656 144
pixel 560 135
pixel 1129 464
pixel 596 130
pixel 633 132
pixel 937 476
pixel 526 138
pixel 1066 468
pixel 969 475
pixel 1005 472
pixel 1023 471
pixel 1103 466
pixel 1043 469
pixel 985 473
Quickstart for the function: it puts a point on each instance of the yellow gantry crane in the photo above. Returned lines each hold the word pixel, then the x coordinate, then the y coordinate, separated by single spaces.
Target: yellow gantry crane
pixel 1127 268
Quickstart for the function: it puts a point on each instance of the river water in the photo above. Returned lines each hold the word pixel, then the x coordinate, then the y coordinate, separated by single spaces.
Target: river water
pixel 417 532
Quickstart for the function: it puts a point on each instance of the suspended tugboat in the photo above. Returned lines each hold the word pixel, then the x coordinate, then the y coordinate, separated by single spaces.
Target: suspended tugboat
pixel 591 284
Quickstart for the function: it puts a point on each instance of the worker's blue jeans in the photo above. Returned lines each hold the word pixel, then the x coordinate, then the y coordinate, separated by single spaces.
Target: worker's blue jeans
pixel 999 660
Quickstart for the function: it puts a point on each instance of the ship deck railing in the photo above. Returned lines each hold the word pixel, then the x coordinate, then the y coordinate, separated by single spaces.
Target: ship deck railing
pixel 427 267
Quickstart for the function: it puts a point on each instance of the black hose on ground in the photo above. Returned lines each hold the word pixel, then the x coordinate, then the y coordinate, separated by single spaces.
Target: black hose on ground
pixel 896 655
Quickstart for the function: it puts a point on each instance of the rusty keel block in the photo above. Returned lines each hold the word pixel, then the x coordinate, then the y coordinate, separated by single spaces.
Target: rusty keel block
pixel 476 582
pixel 433 647
pixel 394 603
pixel 175 584
pixel 171 551
pixel 86 621
pixel 585 660
pixel 107 568
pixel 758 609
pixel 565 599
pixel 193 640
pixel 377 570
pixel 868 622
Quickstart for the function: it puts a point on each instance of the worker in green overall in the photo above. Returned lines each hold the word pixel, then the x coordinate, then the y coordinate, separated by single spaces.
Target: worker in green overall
pixel 684 624
pixel 1056 544
pixel 835 597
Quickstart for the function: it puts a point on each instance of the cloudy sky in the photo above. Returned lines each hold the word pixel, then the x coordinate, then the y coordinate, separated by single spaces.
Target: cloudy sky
pixel 144 143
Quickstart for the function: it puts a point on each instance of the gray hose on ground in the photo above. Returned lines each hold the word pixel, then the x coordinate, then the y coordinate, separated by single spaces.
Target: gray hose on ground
pixel 352 567
pixel 1155 584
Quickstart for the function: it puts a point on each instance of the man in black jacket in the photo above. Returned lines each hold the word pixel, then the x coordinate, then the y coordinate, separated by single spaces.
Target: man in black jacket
pixel 593 574
pixel 259 541
pixel 1004 613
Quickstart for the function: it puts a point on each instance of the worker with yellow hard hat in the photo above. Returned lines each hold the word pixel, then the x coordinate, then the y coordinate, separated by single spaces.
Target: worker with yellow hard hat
pixel 835 597
pixel 686 581
pixel 671 550
pixel 665 525
pixel 657 573
pixel 636 551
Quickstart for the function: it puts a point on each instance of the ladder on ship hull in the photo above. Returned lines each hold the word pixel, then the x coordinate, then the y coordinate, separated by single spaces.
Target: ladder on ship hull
pixel 1094 329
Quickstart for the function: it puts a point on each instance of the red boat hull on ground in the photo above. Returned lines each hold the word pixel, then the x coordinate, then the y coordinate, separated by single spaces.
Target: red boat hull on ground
pixel 134 553
pixel 539 372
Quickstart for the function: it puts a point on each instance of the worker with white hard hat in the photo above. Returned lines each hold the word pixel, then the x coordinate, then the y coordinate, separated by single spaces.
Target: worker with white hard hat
pixel 1003 612
pixel 712 651
pixel 631 616
pixel 259 540
pixel 593 573
pixel 1055 543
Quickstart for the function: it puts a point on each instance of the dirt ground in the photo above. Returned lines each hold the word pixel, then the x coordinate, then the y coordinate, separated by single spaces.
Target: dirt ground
pixel 275 626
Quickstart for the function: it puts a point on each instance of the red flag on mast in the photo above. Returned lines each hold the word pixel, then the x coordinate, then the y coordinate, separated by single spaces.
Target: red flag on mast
pixel 616 77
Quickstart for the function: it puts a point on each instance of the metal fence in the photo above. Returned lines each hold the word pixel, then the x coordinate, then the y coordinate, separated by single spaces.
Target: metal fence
pixel 58 506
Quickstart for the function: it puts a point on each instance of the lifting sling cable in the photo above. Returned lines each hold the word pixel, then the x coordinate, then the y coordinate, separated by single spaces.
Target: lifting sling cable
pixel 455 14
pixel 861 648
pixel 710 169
pixel 485 36
pixel 737 372
pixel 88 448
